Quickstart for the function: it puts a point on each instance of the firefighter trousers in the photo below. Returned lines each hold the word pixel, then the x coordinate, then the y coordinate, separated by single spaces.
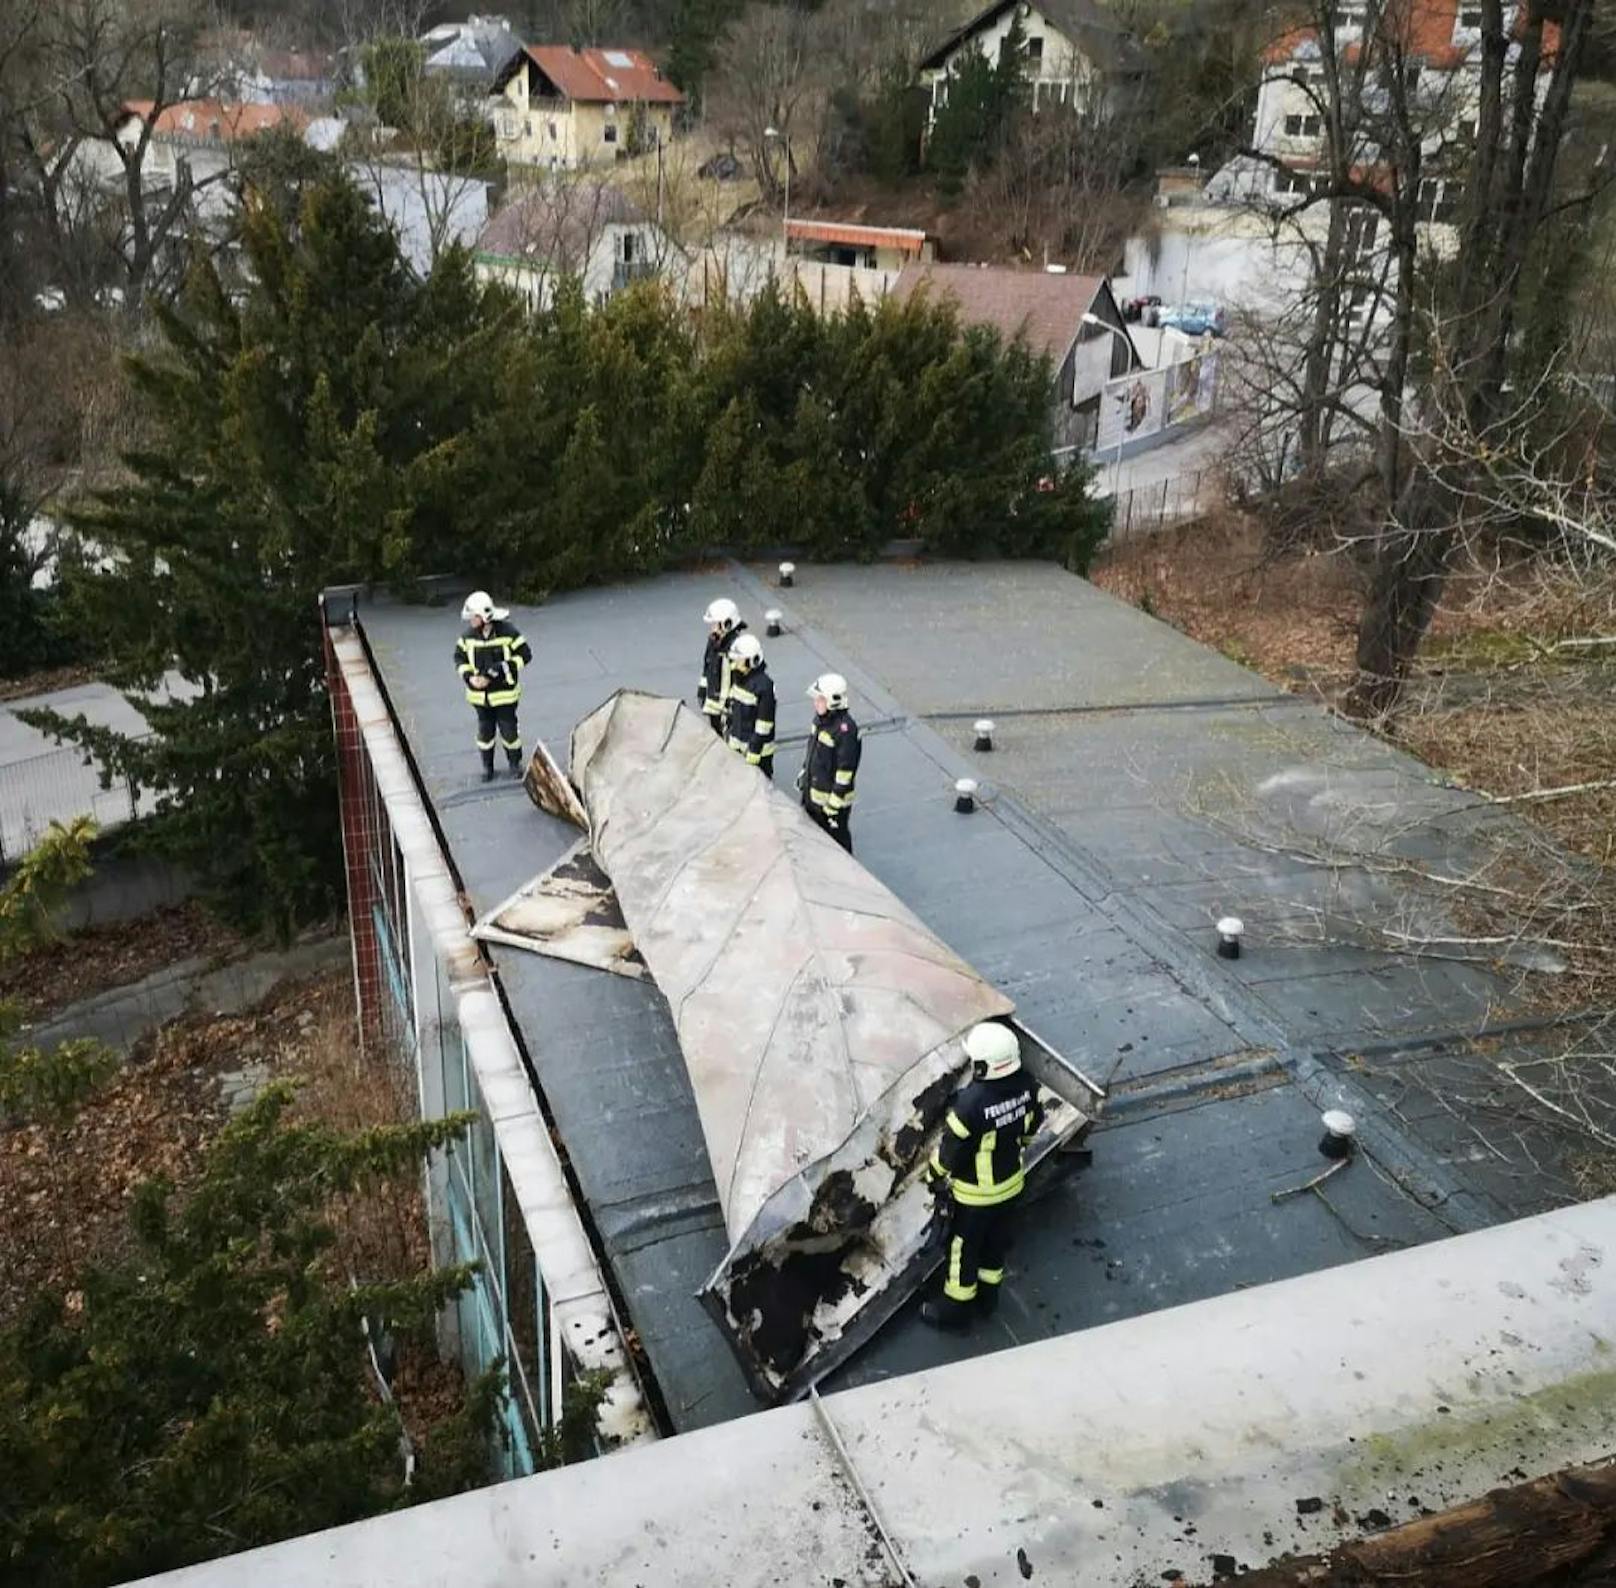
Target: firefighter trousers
pixel 973 1268
pixel 817 815
pixel 499 722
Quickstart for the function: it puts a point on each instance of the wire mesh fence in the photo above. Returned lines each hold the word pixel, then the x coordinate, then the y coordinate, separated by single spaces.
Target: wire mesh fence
pixel 1162 502
pixel 60 785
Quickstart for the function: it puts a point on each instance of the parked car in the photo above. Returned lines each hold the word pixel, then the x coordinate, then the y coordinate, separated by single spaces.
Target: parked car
pixel 1136 309
pixel 1194 319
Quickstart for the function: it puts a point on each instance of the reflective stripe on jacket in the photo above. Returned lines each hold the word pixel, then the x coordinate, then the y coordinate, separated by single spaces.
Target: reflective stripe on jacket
pixel 713 690
pixel 830 767
pixel 499 653
pixel 984 1140
pixel 751 715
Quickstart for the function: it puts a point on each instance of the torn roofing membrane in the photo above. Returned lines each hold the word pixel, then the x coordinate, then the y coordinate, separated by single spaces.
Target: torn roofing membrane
pixel 821 1023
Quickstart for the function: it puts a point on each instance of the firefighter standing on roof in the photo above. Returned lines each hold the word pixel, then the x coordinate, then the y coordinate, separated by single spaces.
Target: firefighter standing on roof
pixel 724 626
pixel 490 657
pixel 750 724
pixel 830 769
pixel 978 1172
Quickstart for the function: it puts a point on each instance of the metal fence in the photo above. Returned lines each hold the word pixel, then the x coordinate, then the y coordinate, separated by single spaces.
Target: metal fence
pixel 59 785
pixel 1162 502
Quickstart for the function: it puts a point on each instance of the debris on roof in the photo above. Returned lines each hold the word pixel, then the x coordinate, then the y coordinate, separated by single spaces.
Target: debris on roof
pixel 820 1021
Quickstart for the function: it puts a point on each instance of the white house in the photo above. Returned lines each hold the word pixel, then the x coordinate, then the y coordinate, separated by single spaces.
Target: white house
pixel 1049 310
pixel 1438 45
pixel 1075 52
pixel 571 228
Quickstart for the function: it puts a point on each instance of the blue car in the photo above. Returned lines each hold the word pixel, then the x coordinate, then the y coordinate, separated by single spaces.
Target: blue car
pixel 1194 319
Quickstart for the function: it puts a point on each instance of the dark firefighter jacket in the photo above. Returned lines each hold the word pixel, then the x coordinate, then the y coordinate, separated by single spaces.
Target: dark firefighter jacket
pixel 499 653
pixel 751 715
pixel 830 768
pixel 712 693
pixel 984 1137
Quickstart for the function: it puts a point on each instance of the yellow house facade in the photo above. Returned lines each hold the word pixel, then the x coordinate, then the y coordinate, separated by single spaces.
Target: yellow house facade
pixel 559 108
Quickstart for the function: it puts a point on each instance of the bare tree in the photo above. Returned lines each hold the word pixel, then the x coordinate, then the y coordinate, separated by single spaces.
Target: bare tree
pixel 1529 59
pixel 88 157
pixel 765 82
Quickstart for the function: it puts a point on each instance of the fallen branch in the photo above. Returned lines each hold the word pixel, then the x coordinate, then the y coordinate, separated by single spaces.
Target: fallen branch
pixel 1551 793
pixel 1309 1185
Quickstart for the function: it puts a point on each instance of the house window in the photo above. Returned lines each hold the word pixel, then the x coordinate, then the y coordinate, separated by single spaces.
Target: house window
pixel 628 248
pixel 609 134
pixel 1470 19
pixel 1358 302
pixel 552 132
pixel 1438 199
pixel 1363 226
pixel 527 129
pixel 1035 49
pixel 1294 182
pixel 1303 126
pixel 1411 77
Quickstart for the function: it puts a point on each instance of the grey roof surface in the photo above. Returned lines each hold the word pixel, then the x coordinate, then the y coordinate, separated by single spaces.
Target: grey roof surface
pixel 1141 787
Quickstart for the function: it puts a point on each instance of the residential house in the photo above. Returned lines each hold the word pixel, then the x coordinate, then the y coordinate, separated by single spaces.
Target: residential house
pixel 1076 54
pixel 1438 44
pixel 560 228
pixel 831 261
pixel 467 55
pixel 1046 308
pixel 201 134
pixel 557 107
pixel 427 209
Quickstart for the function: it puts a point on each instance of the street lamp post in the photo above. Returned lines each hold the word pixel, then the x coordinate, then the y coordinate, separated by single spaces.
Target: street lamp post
pixel 785 219
pixel 1116 470
pixel 1189 245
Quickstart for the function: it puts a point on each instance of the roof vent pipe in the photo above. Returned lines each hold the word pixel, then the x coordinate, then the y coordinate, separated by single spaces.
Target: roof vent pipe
pixel 1339 1130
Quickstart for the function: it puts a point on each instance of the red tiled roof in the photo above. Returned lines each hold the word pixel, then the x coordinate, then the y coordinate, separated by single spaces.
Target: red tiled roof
pixel 904 238
pixel 604 76
pixel 1045 307
pixel 1426 28
pixel 214 118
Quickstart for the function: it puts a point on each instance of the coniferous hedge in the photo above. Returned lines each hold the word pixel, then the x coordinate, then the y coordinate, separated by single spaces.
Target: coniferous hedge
pixel 327 417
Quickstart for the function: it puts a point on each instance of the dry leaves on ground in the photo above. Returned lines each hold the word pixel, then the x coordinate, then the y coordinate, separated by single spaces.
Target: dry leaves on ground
pixel 97 958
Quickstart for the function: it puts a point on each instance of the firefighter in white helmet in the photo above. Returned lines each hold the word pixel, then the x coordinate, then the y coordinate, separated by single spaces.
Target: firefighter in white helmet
pixel 978 1171
pixel 750 723
pixel 830 768
pixel 490 657
pixel 724 626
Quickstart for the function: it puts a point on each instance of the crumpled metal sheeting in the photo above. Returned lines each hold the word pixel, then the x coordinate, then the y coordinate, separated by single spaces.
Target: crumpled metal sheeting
pixel 803 991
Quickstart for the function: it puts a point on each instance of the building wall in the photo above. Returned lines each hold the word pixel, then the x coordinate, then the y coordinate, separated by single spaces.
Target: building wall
pixel 408 1018
pixel 1064 75
pixel 562 133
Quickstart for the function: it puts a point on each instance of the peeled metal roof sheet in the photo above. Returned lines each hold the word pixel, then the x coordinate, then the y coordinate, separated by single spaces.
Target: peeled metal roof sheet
pixel 802 989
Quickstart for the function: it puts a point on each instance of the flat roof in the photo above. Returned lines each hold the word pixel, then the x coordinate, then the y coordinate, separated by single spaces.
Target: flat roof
pixel 1141 787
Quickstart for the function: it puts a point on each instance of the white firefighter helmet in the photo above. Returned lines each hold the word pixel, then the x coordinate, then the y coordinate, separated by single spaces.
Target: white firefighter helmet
pixel 746 652
pixel 479 604
pixel 721 614
pixel 994 1050
pixel 833 687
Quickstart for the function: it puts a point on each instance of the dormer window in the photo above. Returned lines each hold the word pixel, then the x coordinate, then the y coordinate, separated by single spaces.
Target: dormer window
pixel 1035 48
